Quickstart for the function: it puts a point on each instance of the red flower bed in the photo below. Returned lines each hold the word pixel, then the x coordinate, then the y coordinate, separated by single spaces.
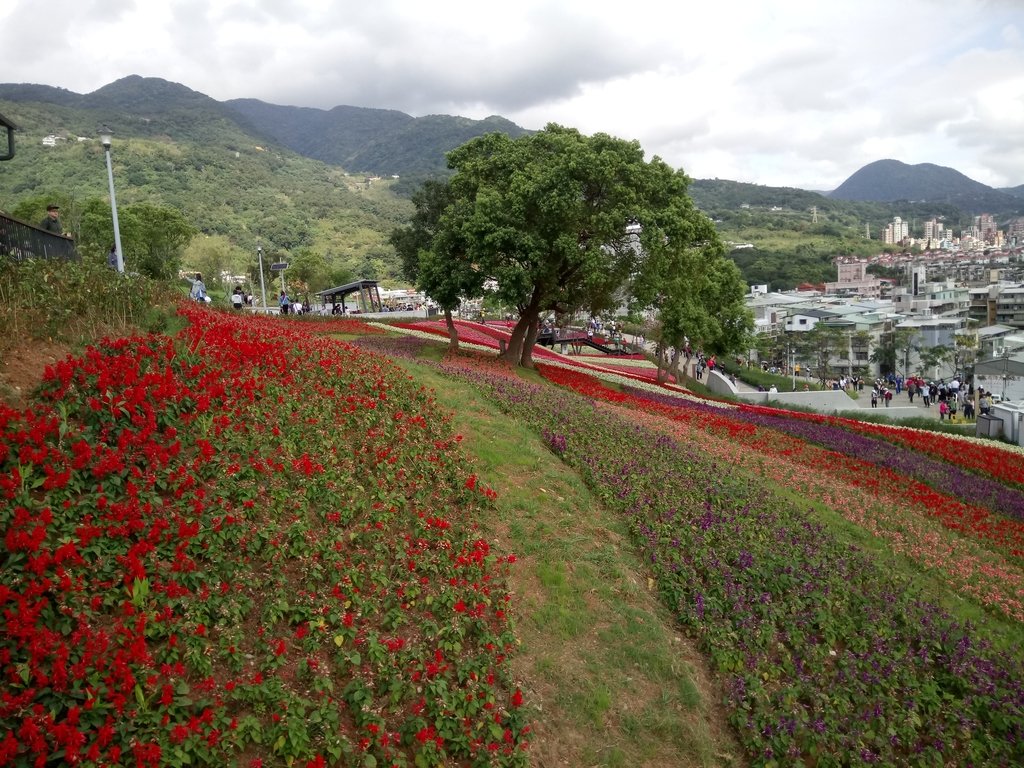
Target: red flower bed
pixel 249 540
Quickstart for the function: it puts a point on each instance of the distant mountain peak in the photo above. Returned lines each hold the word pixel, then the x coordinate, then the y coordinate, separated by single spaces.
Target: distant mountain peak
pixel 888 181
pixel 151 94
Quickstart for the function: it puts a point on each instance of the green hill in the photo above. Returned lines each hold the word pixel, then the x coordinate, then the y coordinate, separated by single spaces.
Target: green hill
pixel 221 166
pixel 784 236
pixel 177 148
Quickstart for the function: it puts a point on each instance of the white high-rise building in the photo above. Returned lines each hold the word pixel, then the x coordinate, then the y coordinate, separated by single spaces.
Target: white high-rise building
pixel 896 232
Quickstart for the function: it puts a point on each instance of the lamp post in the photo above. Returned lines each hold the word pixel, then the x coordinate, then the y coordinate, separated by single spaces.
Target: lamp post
pixel 1006 369
pixel 105 140
pixel 263 287
pixel 792 366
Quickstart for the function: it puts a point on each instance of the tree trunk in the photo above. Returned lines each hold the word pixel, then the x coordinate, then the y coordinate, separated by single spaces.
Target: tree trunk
pixel 531 339
pixel 514 351
pixel 661 353
pixel 453 334
pixel 513 355
pixel 674 365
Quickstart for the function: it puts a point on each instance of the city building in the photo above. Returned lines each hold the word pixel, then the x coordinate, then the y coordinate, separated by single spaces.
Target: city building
pixel 896 232
pixel 1009 306
pixel 854 280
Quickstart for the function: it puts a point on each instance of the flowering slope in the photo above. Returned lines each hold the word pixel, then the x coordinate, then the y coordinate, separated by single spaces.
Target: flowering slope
pixel 948 492
pixel 830 659
pixel 931 457
pixel 634 366
pixel 246 546
pixel 977 553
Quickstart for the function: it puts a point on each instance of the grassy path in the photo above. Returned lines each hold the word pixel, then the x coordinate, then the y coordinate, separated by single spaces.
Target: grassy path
pixel 613 682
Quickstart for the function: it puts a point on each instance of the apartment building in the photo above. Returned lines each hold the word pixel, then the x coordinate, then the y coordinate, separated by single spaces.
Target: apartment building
pixel 854 280
pixel 896 231
pixel 1009 306
pixel 932 300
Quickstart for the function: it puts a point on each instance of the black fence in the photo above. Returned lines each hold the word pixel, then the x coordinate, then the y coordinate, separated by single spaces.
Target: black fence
pixel 19 241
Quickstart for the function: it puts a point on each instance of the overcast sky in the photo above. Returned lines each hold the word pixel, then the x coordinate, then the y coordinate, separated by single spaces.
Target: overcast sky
pixel 778 92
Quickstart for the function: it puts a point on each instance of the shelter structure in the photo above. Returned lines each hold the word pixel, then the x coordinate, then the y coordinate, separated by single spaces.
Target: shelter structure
pixel 1003 375
pixel 367 299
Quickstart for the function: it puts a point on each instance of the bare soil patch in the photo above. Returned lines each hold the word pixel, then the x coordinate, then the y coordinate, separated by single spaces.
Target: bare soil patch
pixel 22 368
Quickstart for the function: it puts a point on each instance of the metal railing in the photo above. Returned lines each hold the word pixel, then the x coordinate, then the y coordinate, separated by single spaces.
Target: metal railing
pixel 20 241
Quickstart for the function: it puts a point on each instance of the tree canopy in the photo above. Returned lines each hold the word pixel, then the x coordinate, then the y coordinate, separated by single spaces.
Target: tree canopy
pixel 561 221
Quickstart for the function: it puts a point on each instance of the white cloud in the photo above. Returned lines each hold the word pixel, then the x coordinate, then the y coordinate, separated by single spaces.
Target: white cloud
pixel 800 93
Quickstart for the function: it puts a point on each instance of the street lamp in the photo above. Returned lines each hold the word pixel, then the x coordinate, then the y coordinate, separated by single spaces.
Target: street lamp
pixel 263 287
pixel 105 141
pixel 792 365
pixel 1006 370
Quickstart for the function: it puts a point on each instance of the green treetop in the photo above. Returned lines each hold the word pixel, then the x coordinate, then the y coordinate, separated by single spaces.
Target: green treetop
pixel 561 221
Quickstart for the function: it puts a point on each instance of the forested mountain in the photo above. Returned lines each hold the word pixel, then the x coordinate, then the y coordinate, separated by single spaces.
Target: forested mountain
pixel 376 141
pixel 245 170
pixel 784 236
pixel 891 180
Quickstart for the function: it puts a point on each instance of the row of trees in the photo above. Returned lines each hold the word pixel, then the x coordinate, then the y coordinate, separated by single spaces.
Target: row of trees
pixel 557 222
pixel 900 351
pixel 158 241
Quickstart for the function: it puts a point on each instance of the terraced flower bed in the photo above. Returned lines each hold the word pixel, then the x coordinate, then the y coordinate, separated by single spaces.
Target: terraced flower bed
pixel 830 658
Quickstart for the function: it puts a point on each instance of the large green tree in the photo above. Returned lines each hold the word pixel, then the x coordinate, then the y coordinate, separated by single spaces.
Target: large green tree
pixel 893 351
pixel 560 220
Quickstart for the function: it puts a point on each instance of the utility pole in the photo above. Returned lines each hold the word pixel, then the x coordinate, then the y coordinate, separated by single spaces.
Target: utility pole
pixel 263 287
pixel 105 140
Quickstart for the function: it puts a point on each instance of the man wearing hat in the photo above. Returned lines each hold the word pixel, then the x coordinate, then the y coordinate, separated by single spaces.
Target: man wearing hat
pixel 52 221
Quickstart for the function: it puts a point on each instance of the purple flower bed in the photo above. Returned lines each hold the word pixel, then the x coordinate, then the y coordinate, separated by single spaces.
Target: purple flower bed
pixel 955 481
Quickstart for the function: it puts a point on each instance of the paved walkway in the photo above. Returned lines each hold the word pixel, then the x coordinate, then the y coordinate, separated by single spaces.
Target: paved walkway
pixel 903 400
pixel 863 400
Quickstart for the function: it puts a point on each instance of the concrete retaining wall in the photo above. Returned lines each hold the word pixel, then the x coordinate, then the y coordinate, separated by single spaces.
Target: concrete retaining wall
pixel 823 401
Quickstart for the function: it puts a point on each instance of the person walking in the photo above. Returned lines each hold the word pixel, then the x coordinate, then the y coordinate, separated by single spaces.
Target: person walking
pixel 237 299
pixel 968 409
pixel 285 302
pixel 198 292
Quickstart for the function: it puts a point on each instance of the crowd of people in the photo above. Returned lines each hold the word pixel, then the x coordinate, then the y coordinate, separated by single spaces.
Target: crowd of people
pixel 952 398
